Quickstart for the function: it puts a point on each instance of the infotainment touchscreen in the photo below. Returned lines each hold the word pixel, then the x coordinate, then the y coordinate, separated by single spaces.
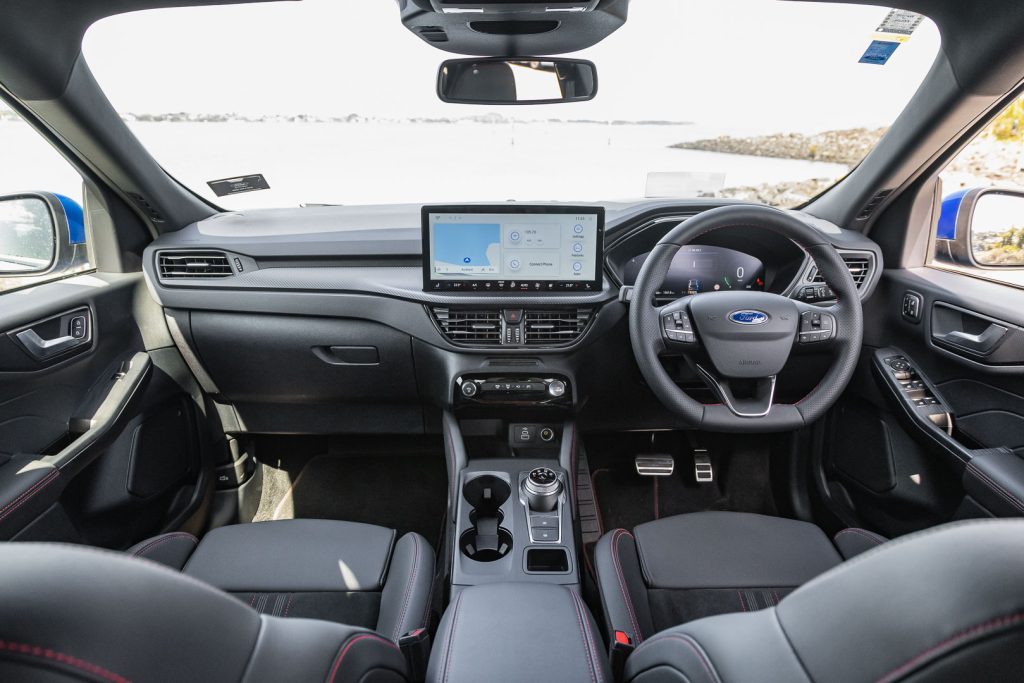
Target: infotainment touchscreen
pixel 512 248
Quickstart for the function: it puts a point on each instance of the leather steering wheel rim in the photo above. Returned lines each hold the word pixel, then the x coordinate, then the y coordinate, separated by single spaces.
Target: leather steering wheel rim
pixel 645 324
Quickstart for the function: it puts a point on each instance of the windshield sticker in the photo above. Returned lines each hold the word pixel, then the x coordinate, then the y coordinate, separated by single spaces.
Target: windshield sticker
pixel 245 183
pixel 900 22
pixel 879 52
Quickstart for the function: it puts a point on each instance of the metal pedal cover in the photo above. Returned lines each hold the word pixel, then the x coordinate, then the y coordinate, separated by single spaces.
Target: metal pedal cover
pixel 702 468
pixel 655 465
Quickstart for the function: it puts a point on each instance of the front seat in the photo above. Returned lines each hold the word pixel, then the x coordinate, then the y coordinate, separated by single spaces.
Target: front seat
pixel 677 569
pixel 345 572
pixel 71 613
pixel 946 604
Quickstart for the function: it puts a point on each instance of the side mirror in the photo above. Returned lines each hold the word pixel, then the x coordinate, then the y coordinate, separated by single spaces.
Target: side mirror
pixel 518 80
pixel 983 227
pixel 41 235
pixel 28 235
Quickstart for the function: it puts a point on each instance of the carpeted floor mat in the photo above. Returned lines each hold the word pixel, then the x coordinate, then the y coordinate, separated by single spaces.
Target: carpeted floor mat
pixel 406 492
pixel 626 499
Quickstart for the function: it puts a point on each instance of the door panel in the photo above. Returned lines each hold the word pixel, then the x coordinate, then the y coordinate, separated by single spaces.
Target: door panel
pixel 100 438
pixel 890 457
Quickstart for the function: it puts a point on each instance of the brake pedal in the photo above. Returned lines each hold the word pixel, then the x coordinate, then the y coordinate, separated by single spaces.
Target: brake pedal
pixel 655 465
pixel 702 468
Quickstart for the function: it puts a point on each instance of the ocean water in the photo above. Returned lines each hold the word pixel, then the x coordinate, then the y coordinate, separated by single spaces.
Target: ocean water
pixel 390 162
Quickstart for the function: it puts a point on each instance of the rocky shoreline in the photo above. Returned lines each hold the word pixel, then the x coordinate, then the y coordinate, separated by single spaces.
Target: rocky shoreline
pixel 835 146
pixel 987 161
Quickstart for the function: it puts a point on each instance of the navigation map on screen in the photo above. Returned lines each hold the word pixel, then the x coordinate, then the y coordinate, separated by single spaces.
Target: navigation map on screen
pixel 533 250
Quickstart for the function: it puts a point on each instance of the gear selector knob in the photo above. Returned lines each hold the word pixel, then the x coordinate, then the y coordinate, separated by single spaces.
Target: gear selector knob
pixel 542 488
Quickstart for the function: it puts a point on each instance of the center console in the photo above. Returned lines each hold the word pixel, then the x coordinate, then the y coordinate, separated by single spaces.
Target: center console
pixel 510 439
pixel 514 523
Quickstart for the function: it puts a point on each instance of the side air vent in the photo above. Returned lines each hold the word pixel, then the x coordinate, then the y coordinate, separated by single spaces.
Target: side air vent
pixel 192 264
pixel 475 327
pixel 555 327
pixel 860 270
pixel 873 204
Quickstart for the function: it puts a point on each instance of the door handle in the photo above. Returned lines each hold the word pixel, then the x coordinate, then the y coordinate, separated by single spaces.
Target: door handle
pixel 978 343
pixel 42 349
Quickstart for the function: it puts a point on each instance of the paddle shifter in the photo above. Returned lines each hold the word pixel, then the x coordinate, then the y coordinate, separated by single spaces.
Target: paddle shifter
pixel 542 488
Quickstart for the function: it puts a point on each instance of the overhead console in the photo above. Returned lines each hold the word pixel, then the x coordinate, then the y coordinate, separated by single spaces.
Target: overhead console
pixel 513 27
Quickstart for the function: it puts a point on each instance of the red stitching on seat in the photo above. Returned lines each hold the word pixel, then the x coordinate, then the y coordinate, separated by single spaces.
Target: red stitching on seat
pixel 863 533
pixel 743 603
pixel 616 536
pixel 164 539
pixel 584 638
pixel 709 669
pixel 25 495
pixel 408 587
pixel 951 642
pixel 53 655
pixel 348 645
pixel 451 638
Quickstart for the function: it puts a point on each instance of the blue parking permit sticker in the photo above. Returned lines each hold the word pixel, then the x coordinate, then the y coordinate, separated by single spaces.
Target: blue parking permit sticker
pixel 879 52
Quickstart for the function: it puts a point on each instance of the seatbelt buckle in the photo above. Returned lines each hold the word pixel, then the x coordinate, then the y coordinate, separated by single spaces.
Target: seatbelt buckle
pixel 621 647
pixel 415 647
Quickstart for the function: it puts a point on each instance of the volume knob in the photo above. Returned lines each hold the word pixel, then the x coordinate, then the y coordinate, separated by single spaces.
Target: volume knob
pixel 469 389
pixel 556 388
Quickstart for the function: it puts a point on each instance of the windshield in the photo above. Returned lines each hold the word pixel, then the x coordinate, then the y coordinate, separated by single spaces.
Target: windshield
pixel 334 103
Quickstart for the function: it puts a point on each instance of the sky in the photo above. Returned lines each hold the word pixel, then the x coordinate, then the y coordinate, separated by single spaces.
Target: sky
pixel 790 65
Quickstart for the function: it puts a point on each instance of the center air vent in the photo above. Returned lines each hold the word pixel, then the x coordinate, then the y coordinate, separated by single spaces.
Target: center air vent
pixel 859 266
pixel 192 264
pixel 555 327
pixel 473 327
pixel 513 327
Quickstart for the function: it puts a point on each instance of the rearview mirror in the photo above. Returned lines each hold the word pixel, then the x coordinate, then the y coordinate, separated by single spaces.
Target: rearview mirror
pixel 516 80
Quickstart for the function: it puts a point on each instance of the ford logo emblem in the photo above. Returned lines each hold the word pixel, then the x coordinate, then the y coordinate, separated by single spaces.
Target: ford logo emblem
pixel 749 317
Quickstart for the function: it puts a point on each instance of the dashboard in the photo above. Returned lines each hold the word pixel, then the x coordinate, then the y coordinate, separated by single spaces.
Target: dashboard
pixel 345 328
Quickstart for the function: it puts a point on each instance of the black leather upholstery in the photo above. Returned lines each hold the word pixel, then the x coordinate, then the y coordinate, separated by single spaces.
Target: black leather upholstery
pixel 28 486
pixel 996 481
pixel 74 613
pixel 171 550
pixel 516 632
pixel 681 568
pixel 350 573
pixel 852 542
pixel 735 550
pixel 945 604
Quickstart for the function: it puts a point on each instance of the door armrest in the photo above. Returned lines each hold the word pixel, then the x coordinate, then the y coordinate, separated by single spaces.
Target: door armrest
pixel 995 479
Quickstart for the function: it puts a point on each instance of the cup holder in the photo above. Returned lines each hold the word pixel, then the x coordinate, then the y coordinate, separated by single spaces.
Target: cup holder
pixel 485 494
pixel 486 540
pixel 486 547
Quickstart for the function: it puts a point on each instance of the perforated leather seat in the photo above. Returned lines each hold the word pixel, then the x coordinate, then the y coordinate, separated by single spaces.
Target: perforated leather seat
pixel 69 613
pixel 346 572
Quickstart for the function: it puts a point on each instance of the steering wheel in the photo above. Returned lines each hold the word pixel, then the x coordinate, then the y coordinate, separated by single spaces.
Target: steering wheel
pixel 738 341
